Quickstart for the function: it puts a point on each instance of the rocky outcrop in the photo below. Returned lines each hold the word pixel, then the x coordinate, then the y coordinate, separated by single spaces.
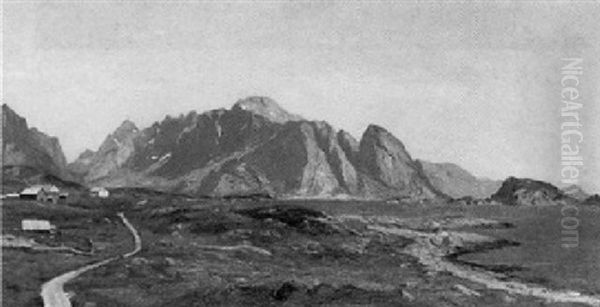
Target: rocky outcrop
pixel 593 200
pixel 456 182
pixel 528 192
pixel 24 147
pixel 256 147
pixel 576 192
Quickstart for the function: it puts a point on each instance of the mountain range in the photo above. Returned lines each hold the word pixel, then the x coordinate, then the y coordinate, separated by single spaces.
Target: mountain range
pixel 255 147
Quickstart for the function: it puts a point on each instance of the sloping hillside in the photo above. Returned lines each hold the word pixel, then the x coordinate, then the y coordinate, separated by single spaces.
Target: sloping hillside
pixel 27 153
pixel 456 182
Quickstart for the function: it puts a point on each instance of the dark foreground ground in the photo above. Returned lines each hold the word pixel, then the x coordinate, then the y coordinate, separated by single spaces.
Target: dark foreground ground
pixel 244 253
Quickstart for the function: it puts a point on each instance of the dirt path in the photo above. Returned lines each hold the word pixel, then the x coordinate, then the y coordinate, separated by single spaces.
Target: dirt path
pixel 53 292
pixel 11 241
pixel 136 236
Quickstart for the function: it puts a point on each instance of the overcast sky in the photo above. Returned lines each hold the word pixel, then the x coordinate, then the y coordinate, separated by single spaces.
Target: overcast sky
pixel 475 84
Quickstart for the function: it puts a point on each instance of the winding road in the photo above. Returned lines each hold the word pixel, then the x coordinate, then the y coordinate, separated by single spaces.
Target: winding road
pixel 53 292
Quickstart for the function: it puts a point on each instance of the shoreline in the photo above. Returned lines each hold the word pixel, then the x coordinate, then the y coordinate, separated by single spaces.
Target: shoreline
pixel 434 258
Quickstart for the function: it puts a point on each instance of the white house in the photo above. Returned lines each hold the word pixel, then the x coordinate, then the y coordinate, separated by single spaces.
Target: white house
pixel 36 225
pixel 99 192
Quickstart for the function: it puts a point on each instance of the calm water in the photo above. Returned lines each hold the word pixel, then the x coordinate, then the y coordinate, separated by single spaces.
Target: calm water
pixel 541 253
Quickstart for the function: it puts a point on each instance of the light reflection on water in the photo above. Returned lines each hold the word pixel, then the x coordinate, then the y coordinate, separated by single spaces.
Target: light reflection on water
pixel 540 253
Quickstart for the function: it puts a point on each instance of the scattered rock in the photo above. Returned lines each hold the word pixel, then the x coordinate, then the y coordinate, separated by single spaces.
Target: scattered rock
pixel 139 261
pixel 441 240
pixel 241 280
pixel 466 291
pixel 409 297
pixel 313 247
pixel 433 225
pixel 508 298
pixel 170 261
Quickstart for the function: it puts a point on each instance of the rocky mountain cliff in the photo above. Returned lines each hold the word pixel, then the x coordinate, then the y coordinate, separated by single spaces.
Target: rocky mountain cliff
pixel 28 148
pixel 112 154
pixel 256 147
pixel 456 182
pixel 384 158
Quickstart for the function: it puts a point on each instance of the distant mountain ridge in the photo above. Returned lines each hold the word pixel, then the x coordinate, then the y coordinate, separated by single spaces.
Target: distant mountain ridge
pixel 256 146
pixel 457 182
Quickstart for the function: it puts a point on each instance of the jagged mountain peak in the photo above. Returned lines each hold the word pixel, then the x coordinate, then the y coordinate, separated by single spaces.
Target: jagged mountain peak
pixel 116 149
pixel 11 119
pixel 266 107
pixel 378 132
pixel 380 137
pixel 7 108
pixel 127 126
pixel 372 128
pixel 385 159
pixel 125 131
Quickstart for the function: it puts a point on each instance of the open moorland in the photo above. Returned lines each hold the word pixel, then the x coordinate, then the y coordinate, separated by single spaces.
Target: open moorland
pixel 83 235
pixel 261 252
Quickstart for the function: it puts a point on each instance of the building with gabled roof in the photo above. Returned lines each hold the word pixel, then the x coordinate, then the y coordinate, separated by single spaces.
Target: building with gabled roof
pixel 40 192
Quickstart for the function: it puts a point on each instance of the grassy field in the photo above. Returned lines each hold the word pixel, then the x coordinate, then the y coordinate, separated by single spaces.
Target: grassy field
pixel 243 253
pixel 306 262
